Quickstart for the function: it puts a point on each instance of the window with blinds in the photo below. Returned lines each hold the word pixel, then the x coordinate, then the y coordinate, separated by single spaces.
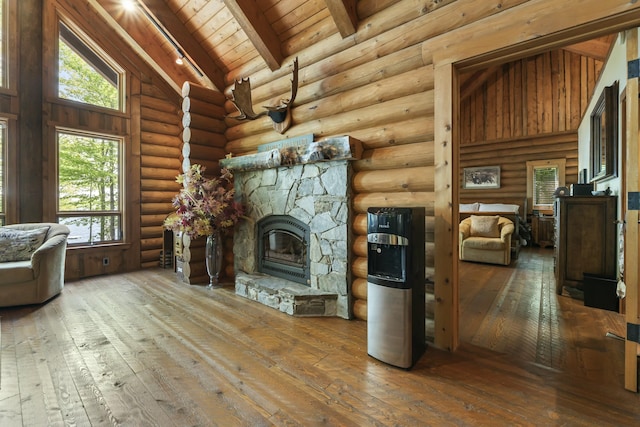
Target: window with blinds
pixel 545 181
pixel 543 177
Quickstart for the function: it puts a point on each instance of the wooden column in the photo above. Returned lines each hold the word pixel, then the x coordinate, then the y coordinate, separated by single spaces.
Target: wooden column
pixel 632 239
pixel 203 143
pixel 203 127
pixel 446 190
pixel 30 117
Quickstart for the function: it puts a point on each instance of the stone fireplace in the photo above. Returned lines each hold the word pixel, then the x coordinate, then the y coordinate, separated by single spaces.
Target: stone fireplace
pixel 299 217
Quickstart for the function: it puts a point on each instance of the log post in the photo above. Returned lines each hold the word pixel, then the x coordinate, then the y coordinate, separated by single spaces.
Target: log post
pixel 203 142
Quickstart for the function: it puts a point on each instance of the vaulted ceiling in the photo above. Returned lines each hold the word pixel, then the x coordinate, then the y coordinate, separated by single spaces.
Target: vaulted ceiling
pixel 224 40
pixel 597 49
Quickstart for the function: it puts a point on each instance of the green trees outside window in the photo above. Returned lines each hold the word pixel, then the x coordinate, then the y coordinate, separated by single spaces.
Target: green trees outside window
pixel 3 139
pixel 89 194
pixel 83 75
pixel 89 168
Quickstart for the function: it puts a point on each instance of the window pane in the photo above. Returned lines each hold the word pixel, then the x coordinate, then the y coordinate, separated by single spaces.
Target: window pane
pixel 92 229
pixel 3 141
pixel 545 181
pixel 3 44
pixel 83 75
pixel 88 173
pixel 89 181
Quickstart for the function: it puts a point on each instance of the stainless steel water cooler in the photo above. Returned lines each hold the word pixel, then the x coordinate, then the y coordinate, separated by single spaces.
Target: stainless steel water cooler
pixel 395 288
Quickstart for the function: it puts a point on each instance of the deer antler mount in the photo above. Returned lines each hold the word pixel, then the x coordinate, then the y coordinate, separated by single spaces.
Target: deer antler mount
pixel 280 114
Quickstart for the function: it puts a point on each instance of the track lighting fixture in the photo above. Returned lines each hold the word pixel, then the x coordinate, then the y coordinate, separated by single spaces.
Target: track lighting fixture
pixel 131 5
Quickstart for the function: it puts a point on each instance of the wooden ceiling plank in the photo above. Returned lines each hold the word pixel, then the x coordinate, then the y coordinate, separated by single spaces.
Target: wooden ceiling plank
pixel 597 48
pixel 196 21
pixel 304 37
pixel 301 17
pixel 283 8
pixel 191 47
pixel 231 48
pixel 345 15
pixel 227 38
pixel 258 30
pixel 150 55
pixel 218 28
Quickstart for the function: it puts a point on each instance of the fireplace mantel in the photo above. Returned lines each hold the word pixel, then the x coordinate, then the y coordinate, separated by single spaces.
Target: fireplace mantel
pixel 296 151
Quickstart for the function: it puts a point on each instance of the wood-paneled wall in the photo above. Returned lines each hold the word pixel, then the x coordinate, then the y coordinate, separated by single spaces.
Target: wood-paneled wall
pixel 160 157
pixel 523 111
pixel 512 156
pixel 544 94
pixel 149 125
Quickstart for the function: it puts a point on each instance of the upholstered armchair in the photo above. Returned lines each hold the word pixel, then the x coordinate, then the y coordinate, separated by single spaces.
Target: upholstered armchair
pixel 32 261
pixel 486 239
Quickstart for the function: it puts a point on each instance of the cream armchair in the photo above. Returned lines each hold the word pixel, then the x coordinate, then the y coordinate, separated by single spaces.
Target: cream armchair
pixel 486 239
pixel 39 278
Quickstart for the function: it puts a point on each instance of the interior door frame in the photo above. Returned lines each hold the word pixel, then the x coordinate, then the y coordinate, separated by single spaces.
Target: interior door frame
pixel 631 179
pixel 485 50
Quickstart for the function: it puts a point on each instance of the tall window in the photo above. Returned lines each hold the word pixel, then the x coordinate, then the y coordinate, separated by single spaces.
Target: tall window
pixel 3 182
pixel 89 187
pixel 543 177
pixel 85 74
pixel 3 43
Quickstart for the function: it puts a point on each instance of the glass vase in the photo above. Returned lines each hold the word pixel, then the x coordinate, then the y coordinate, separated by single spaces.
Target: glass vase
pixel 213 259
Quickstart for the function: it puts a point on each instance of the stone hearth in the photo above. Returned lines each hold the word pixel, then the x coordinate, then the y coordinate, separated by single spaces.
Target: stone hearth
pixel 287 296
pixel 319 195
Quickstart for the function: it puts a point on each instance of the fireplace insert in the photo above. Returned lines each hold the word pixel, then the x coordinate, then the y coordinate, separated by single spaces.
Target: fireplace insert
pixel 283 248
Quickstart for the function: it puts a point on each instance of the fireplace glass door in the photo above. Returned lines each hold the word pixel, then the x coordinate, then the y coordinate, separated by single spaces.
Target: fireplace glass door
pixel 283 248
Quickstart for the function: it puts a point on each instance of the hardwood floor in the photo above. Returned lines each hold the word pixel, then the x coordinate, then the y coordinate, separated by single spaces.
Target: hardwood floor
pixel 515 310
pixel 143 349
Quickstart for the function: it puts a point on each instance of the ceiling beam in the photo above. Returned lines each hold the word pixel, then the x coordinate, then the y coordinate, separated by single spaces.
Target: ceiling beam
pixel 258 30
pixel 192 48
pixel 149 52
pixel 345 15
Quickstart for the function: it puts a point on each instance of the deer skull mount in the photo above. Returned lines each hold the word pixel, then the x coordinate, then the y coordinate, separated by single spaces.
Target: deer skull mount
pixel 280 114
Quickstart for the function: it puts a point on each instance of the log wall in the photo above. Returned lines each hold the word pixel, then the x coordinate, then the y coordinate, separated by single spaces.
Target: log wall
pixel 380 92
pixel 159 166
pixel 512 156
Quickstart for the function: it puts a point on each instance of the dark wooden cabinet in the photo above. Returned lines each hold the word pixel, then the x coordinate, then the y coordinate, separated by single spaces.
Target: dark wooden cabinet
pixel 542 230
pixel 585 238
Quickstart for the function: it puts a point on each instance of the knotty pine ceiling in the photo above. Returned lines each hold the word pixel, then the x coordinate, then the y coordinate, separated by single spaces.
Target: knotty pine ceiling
pixel 232 39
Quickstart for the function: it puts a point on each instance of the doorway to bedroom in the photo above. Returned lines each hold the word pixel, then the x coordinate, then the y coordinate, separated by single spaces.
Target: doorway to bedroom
pixel 525 111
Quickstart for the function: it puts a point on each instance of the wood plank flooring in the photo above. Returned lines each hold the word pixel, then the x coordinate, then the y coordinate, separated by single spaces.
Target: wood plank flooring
pixel 142 349
pixel 515 310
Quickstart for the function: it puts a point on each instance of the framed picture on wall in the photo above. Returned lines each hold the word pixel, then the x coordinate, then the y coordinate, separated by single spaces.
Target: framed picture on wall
pixel 481 177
